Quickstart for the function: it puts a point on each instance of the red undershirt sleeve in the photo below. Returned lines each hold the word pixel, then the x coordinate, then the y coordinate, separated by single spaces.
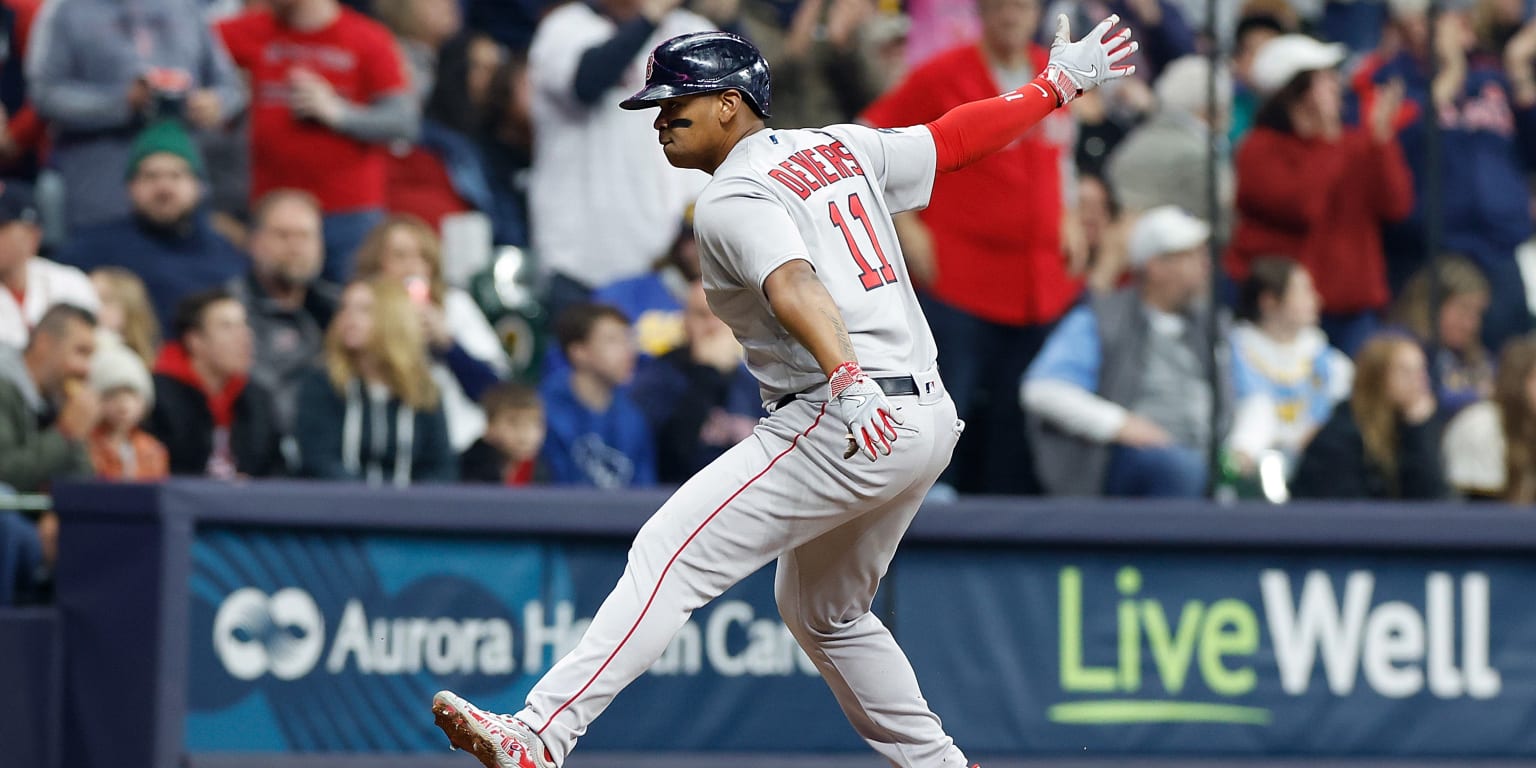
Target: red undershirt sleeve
pixel 974 130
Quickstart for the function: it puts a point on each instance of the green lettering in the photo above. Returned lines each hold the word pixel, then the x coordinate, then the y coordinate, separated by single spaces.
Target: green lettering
pixel 1130 647
pixel 1172 654
pixel 1230 629
pixel 1075 676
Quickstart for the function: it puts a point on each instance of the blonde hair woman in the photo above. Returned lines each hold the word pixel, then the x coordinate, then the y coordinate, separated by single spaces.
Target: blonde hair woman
pixel 1490 447
pixel 1385 443
pixel 371 412
pixel 1463 366
pixel 125 312
pixel 467 357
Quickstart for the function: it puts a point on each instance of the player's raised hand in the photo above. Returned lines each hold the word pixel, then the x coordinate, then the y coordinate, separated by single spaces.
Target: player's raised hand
pixel 862 405
pixel 1083 65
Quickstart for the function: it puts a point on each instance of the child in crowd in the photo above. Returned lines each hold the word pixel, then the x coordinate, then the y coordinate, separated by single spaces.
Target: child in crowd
pixel 597 436
pixel 1287 377
pixel 126 313
pixel 508 454
pixel 119 448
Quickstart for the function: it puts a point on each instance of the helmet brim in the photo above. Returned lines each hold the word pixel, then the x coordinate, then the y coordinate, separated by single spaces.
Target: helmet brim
pixel 651 96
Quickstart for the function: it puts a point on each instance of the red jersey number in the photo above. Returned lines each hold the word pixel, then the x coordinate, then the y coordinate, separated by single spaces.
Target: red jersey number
pixel 869 276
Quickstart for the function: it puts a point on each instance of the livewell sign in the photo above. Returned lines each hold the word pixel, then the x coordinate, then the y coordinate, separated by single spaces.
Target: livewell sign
pixel 1110 651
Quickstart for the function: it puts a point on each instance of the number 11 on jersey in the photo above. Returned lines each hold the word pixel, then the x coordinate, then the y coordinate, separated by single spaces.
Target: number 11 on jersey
pixel 870 277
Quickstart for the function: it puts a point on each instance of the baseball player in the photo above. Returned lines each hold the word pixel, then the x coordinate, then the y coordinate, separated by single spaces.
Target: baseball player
pixel 800 259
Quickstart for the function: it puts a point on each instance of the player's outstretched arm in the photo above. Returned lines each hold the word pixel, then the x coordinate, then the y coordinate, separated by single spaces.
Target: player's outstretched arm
pixel 972 131
pixel 807 311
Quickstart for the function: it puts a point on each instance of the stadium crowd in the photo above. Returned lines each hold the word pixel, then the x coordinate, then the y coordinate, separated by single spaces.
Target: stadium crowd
pixel 298 238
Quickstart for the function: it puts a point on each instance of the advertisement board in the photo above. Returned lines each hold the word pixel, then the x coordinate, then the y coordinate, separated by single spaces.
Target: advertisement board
pixel 1105 651
pixel 307 641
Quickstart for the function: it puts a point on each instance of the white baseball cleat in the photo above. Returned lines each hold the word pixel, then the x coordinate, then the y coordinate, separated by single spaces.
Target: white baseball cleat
pixel 497 741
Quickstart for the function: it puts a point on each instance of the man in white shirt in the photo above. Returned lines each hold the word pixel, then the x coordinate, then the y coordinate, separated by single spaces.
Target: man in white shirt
pixel 599 187
pixel 32 284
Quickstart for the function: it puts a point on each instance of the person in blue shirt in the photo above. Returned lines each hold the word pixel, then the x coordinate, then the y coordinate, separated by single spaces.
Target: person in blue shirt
pixel 1487 134
pixel 596 434
pixel 167 240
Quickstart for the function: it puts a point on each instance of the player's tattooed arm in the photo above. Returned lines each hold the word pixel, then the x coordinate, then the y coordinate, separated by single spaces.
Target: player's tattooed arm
pixel 807 311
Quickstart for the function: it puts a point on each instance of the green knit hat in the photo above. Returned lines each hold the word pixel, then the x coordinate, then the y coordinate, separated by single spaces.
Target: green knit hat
pixel 165 135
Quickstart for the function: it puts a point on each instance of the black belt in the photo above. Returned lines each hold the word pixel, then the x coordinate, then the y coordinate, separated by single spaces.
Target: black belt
pixel 894 386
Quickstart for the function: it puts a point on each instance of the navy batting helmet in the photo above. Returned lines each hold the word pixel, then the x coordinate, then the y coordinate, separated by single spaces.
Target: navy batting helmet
pixel 704 62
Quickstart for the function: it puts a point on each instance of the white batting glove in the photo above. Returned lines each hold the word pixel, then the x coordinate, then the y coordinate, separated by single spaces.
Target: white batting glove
pixel 870 418
pixel 1081 66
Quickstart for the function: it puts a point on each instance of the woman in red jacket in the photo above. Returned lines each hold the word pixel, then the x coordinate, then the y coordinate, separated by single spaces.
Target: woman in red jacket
pixel 1310 189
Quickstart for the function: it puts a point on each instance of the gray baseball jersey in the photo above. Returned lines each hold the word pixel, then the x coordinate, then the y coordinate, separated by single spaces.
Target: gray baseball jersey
pixel 825 196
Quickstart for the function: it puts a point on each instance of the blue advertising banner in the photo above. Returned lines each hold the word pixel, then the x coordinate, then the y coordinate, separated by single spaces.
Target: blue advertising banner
pixel 308 641
pixel 1114 651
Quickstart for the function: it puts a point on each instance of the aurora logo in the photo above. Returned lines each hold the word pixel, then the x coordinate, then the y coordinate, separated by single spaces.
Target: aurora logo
pixel 254 633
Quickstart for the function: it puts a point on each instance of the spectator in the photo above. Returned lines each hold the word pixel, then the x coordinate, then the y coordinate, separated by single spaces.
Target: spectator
pixel 1490 447
pixel 594 162
pixel 1385 444
pixel 119 448
pixel 32 283
pixel 507 146
pixel 1120 398
pixel 1256 28
pixel 1104 236
pixel 286 304
pixel 46 410
pixel 22 132
pixel 1310 190
pixel 446 172
pixel 508 453
pixel 699 399
pixel 166 239
pixel 1165 161
pixel 466 354
pixel 331 93
pixel 822 73
pixel 1463 367
pixel 597 436
pixel 213 420
pixel 98 69
pixel 1484 124
pixel 421 29
pixel 1286 378
pixel 372 413
pixel 125 315
pixel 994 273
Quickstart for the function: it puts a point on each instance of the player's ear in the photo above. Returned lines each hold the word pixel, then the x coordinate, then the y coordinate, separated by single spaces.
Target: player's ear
pixel 730 104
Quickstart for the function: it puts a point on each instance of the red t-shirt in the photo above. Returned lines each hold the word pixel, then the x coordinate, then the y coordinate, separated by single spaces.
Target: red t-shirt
pixel 358 57
pixel 996 223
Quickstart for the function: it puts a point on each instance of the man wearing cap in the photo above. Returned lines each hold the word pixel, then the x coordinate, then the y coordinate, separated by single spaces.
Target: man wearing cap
pixel 99 70
pixel 1121 394
pixel 31 284
pixel 1310 189
pixel 167 239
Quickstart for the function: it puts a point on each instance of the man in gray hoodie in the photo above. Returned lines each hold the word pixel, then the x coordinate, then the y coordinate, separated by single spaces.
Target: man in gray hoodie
pixel 99 69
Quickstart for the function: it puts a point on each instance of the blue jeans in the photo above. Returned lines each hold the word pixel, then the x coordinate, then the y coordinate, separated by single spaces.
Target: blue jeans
pixel 1508 314
pixel 21 554
pixel 1171 471
pixel 982 363
pixel 344 232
